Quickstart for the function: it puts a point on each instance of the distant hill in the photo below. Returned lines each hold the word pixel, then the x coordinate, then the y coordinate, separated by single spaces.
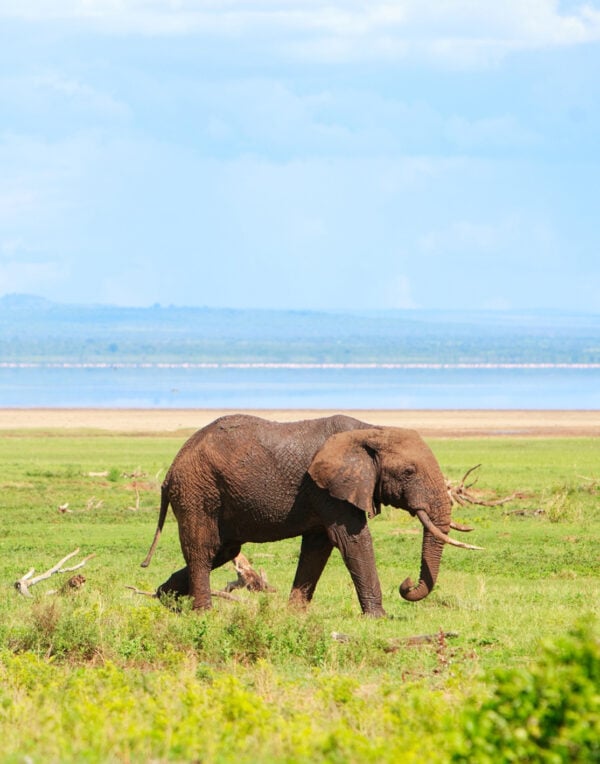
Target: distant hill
pixel 33 329
pixel 24 302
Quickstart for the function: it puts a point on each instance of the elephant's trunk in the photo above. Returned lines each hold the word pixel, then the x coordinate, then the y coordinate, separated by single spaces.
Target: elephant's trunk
pixel 430 564
pixel 433 545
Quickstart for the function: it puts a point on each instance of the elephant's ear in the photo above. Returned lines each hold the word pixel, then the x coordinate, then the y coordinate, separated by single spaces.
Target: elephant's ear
pixel 346 467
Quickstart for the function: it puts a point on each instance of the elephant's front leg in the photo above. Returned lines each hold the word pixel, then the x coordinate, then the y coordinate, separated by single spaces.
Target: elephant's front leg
pixel 314 553
pixel 350 533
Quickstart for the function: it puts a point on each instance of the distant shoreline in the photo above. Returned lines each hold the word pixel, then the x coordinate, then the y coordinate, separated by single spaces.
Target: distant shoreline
pixel 430 423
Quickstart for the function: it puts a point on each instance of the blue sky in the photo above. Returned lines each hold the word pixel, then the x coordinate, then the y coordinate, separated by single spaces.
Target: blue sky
pixel 302 154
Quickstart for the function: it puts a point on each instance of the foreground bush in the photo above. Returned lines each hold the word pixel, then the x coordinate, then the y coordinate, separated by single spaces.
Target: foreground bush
pixel 548 713
pixel 50 711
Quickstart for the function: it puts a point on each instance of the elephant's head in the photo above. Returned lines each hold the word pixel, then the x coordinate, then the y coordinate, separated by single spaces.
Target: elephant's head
pixel 391 466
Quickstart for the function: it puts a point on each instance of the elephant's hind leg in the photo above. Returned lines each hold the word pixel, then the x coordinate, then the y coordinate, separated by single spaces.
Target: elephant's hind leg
pixel 200 547
pixel 176 586
pixel 314 553
pixel 226 554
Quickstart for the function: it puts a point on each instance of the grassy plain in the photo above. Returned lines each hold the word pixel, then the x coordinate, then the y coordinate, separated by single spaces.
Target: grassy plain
pixel 103 674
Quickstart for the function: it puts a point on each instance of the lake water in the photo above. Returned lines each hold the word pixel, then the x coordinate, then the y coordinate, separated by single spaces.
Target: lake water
pixel 240 386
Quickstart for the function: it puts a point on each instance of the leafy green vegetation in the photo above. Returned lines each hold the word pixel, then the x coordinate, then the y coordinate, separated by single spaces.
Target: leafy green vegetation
pixel 102 673
pixel 549 712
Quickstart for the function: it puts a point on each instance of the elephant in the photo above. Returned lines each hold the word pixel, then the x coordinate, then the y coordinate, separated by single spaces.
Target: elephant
pixel 243 478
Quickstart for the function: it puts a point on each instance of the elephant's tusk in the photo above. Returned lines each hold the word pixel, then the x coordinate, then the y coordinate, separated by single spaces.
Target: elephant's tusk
pixel 461 528
pixel 435 531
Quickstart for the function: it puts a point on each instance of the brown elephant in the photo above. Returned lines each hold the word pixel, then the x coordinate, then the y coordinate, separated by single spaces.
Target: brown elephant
pixel 243 478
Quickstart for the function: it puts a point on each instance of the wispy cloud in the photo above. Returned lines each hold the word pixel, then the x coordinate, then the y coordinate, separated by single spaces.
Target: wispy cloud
pixel 28 276
pixel 464 32
pixel 76 91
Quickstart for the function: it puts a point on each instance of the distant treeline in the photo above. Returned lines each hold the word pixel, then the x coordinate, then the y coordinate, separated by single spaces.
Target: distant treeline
pixel 35 330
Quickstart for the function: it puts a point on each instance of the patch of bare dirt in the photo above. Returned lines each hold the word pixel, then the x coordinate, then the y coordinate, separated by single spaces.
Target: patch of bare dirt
pixel 446 424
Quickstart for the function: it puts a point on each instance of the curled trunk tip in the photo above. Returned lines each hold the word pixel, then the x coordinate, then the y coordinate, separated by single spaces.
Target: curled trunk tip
pixel 412 593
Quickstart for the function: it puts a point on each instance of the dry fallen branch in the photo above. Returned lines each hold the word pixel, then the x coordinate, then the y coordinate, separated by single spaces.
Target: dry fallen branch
pixel 395 643
pixel 527 512
pixel 135 590
pixel 222 595
pixel 137 500
pixel 135 474
pixel 461 495
pixel 248 578
pixel 438 639
pixel 28 580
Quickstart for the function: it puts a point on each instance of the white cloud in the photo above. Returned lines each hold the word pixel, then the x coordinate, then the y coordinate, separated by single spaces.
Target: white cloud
pixel 467 238
pixel 30 277
pixel 75 91
pixel 11 248
pixel 501 242
pixel 496 303
pixel 490 132
pixel 16 203
pixel 397 293
pixel 35 177
pixel 459 32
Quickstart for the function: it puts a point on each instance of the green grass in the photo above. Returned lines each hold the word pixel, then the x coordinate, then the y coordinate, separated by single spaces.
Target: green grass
pixel 103 674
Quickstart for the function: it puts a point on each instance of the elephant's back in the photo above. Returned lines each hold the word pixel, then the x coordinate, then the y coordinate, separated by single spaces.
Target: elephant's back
pixel 243 448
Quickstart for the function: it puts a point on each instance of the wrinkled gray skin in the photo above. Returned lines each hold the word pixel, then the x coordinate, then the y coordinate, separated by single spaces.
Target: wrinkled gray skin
pixel 243 478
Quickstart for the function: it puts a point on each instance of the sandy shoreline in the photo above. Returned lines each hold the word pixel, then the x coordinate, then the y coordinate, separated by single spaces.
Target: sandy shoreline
pixel 485 423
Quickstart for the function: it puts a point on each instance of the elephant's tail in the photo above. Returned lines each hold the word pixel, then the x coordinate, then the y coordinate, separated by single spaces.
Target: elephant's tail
pixel 164 508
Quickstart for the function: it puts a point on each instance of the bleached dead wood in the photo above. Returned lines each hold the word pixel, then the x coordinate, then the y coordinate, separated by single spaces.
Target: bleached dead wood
pixel 144 593
pixel 395 643
pixel 439 638
pixel 28 580
pixel 460 494
pixel 526 512
pixel 248 578
pixel 222 595
pixel 137 500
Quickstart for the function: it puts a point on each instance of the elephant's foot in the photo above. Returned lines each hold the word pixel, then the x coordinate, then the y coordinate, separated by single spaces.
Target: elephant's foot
pixel 375 612
pixel 299 599
pixel 202 604
pixel 175 587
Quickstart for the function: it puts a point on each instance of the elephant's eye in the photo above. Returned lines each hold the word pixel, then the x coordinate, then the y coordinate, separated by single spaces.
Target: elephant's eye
pixel 410 469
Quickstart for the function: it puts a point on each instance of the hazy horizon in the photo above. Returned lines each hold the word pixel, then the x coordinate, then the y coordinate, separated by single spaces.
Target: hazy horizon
pixel 25 300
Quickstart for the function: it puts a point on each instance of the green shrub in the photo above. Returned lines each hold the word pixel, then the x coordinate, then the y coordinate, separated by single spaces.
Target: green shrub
pixel 547 713
pixel 114 475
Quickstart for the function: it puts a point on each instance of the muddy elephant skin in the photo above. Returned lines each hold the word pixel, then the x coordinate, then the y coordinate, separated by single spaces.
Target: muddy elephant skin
pixel 246 479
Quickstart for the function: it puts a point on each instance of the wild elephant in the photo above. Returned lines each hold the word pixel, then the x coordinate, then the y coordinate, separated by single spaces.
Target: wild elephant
pixel 247 479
